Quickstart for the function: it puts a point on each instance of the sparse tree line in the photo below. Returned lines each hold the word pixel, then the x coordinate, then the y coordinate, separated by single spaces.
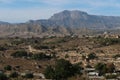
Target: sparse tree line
pixel 25 54
pixel 107 41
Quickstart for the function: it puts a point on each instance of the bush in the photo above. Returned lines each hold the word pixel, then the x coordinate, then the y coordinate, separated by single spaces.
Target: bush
pixel 110 67
pixel 88 66
pixel 41 47
pixel 40 56
pixel 14 75
pixel 116 56
pixel 49 72
pixel 105 68
pixel 2 48
pixel 111 76
pixel 101 68
pixel 3 76
pixel 29 75
pixel 92 56
pixel 66 56
pixel 8 67
pixel 19 54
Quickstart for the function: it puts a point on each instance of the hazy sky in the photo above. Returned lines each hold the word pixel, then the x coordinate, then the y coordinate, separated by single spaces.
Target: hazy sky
pixel 24 10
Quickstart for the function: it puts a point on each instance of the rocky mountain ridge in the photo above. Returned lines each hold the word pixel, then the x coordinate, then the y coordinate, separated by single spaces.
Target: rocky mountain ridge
pixel 61 24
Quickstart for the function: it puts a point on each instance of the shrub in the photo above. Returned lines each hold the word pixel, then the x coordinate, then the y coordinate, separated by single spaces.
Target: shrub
pixel 29 75
pixel 66 56
pixel 92 56
pixel 105 68
pixel 41 47
pixel 2 48
pixel 8 67
pixel 14 75
pixel 116 56
pixel 19 54
pixel 49 72
pixel 3 76
pixel 40 56
pixel 111 76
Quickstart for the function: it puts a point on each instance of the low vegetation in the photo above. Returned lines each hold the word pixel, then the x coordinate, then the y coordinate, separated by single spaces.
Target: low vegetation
pixel 20 54
pixel 108 41
pixel 40 56
pixel 103 68
pixel 3 77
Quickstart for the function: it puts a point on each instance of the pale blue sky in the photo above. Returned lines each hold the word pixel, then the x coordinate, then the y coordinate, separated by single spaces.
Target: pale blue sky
pixel 24 10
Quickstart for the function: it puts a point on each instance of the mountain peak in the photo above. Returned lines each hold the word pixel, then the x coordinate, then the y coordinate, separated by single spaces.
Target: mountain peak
pixel 75 14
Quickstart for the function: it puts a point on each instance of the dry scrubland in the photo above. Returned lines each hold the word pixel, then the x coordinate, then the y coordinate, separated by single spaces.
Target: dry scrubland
pixel 33 55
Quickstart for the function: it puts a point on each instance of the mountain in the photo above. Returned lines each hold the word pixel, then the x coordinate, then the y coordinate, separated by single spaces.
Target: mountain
pixel 61 24
pixel 81 19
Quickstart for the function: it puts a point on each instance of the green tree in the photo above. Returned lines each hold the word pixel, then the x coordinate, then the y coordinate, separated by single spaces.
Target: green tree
pixel 62 70
pixel 49 72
